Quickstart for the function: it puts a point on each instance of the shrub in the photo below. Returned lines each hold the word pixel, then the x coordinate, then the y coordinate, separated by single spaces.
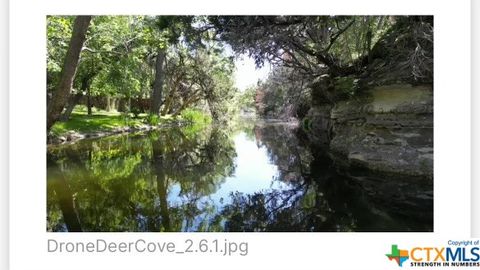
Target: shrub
pixel 153 119
pixel 193 116
pixel 135 111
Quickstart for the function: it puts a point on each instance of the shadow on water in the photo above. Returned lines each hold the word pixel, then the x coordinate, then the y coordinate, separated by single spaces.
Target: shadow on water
pixel 245 177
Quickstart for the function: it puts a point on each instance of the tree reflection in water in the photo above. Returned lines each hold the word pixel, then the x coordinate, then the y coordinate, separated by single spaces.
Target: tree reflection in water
pixel 176 180
pixel 320 198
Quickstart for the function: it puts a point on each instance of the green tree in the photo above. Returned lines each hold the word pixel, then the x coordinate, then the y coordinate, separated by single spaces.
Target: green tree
pixel 60 96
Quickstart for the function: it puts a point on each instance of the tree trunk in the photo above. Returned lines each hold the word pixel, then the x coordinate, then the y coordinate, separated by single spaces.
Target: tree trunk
pixel 72 102
pixel 109 105
pixel 89 101
pixel 168 104
pixel 74 99
pixel 211 105
pixel 60 96
pixel 156 98
pixel 116 104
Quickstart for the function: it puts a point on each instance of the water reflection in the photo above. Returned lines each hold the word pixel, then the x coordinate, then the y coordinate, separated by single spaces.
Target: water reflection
pixel 248 177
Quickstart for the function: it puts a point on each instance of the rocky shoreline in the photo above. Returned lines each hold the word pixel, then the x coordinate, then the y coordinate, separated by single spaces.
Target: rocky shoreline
pixel 75 136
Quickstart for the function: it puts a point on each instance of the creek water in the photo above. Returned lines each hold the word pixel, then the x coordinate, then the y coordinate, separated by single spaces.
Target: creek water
pixel 249 176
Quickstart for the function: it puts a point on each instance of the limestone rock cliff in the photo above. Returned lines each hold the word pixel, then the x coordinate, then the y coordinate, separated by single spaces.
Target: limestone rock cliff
pixel 388 129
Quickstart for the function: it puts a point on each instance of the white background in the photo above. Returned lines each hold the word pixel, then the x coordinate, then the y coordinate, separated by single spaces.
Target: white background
pixel 475 118
pixel 3 133
pixel 267 251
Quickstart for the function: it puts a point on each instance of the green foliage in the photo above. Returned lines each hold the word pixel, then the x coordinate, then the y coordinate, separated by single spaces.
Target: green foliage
pixel 118 61
pixel 153 119
pixel 59 30
pixel 283 95
pixel 199 78
pixel 197 117
pixel 360 37
pixel 246 100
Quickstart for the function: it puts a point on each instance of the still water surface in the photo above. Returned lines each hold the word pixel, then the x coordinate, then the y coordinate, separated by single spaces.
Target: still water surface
pixel 248 177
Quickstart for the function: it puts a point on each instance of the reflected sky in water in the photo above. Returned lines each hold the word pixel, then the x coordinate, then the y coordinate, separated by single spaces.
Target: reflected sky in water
pixel 254 171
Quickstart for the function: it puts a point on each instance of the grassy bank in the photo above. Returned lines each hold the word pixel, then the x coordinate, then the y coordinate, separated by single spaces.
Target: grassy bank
pixel 103 121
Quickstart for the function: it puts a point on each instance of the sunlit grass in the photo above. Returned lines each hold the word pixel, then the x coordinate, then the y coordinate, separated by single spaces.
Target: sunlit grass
pixel 100 120
pixel 104 121
pixel 195 117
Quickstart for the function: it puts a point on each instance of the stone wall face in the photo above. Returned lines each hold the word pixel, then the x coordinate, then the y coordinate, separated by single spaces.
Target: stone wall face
pixel 387 129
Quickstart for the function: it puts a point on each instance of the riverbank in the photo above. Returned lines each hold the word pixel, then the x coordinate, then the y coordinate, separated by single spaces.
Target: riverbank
pixel 101 123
